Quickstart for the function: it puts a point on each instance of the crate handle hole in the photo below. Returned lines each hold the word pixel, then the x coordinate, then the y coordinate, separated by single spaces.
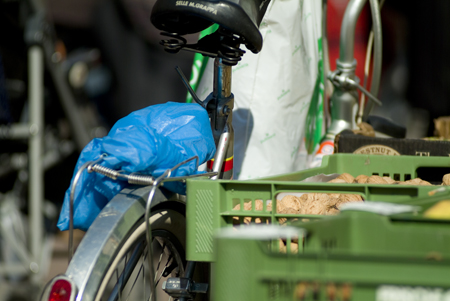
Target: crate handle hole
pixel 235 202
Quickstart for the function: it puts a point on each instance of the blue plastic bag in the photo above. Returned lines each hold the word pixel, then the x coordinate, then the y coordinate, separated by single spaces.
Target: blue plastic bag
pixel 148 141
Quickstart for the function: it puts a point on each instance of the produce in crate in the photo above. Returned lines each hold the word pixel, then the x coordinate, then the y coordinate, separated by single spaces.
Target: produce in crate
pixel 361 179
pixel 348 178
pixel 322 203
pixel 416 181
pixel 446 179
pixel 212 204
pixel 327 203
pixel 375 179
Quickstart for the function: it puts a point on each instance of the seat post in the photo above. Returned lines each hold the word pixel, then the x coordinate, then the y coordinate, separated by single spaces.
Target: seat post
pixel 222 79
pixel 223 128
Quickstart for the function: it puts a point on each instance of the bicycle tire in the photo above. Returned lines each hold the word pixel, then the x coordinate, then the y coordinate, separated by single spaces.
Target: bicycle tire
pixel 167 231
pixel 115 230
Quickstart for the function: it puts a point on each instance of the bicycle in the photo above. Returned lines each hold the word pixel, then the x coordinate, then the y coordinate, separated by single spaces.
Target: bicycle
pixel 120 229
pixel 113 251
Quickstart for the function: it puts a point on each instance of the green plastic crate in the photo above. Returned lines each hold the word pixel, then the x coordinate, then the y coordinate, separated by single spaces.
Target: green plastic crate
pixel 399 168
pixel 210 203
pixel 352 256
pixel 368 234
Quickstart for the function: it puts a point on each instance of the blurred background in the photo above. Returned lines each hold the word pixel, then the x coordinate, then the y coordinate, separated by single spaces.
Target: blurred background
pixel 102 60
pixel 108 55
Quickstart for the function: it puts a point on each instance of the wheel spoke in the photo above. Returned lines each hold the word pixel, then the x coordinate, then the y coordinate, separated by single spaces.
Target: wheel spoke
pixel 128 277
pixel 141 269
pixel 165 267
pixel 124 276
pixel 129 266
pixel 160 258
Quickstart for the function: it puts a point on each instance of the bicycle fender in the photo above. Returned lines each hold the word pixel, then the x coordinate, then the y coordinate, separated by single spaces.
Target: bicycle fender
pixel 105 234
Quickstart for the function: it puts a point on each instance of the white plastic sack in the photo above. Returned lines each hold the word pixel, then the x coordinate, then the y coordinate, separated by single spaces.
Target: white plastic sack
pixel 273 90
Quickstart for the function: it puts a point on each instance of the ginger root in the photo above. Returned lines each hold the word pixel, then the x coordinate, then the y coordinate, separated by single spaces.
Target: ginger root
pixel 348 178
pixel 288 201
pixel 323 203
pixel 446 179
pixel 416 181
pixel 361 179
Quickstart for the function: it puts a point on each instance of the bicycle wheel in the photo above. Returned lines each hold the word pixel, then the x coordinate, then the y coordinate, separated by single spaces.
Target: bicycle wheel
pixel 127 276
pixel 109 262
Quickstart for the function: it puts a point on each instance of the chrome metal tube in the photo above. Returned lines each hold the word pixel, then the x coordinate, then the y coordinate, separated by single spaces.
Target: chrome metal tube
pixel 222 147
pixel 342 108
pixel 36 176
pixel 377 54
pixel 347 38
pixel 344 97
pixel 223 128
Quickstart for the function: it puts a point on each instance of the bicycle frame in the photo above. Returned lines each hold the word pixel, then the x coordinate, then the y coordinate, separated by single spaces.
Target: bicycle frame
pixel 221 121
pixel 219 105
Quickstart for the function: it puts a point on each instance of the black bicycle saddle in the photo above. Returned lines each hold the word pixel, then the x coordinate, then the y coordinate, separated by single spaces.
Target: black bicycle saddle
pixel 241 17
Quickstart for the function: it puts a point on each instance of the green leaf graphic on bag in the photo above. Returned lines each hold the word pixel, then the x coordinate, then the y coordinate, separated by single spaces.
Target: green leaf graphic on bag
pixel 199 63
pixel 314 118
